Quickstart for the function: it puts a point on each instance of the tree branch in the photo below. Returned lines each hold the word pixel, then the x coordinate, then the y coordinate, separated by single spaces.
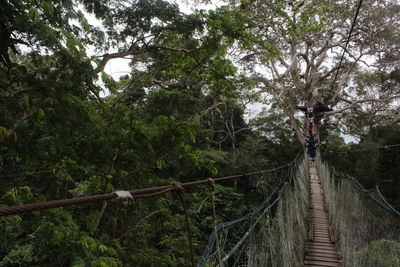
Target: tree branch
pixel 354 103
pixel 107 57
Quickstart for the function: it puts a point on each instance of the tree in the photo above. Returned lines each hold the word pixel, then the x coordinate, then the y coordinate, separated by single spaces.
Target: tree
pixel 292 50
pixel 59 139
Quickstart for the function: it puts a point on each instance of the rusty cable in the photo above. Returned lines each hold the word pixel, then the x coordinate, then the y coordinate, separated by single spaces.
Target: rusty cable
pixel 54 204
pixel 139 193
pixel 154 194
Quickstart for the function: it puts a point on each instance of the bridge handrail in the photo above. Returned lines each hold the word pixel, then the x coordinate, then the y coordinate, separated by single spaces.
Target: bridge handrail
pixel 362 189
pixel 265 206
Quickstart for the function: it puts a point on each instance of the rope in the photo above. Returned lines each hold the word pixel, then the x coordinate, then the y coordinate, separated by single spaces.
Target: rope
pixel 366 149
pixel 362 189
pixel 247 234
pixel 347 42
pixel 54 204
pixel 265 206
pixel 140 193
pixel 155 193
pixel 211 239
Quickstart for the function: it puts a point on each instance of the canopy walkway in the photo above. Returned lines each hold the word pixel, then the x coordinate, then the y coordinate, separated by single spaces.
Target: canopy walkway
pixel 321 248
pixel 314 217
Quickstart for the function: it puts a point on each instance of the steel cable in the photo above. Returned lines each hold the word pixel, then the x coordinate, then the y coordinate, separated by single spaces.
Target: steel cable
pixel 347 42
pixel 140 193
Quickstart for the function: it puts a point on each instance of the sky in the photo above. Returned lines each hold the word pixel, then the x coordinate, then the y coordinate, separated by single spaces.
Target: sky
pixel 120 66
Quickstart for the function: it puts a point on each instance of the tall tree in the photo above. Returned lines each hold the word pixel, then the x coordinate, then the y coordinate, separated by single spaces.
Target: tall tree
pixel 294 49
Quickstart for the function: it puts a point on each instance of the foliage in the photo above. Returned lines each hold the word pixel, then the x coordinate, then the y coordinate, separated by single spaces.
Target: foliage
pixel 69 129
pixel 381 253
pixel 367 234
pixel 373 160
pixel 175 118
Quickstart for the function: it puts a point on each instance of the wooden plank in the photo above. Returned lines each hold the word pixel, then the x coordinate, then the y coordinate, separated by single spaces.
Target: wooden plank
pixel 321 232
pixel 322 244
pixel 311 251
pixel 323 264
pixel 321 239
pixel 323 254
pixel 324 259
pixel 322 235
pixel 320 249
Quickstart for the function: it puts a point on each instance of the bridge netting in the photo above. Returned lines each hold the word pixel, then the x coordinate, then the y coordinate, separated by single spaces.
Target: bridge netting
pixel 273 234
pixel 367 227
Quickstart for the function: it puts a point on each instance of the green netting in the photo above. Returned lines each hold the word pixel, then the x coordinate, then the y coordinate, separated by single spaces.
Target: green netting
pixel 275 232
pixel 368 232
pixel 280 241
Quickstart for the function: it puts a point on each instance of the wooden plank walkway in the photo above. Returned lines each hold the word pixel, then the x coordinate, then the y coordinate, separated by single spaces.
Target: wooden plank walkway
pixel 321 245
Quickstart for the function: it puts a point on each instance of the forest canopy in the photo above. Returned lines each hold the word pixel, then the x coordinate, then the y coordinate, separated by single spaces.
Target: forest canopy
pixel 184 111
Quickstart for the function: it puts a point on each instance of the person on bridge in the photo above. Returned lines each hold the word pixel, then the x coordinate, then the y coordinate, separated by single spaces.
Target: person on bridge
pixel 311 148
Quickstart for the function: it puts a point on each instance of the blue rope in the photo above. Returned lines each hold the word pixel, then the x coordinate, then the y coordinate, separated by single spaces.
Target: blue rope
pixel 247 234
pixel 361 188
pixel 211 240
pixel 387 204
pixel 263 207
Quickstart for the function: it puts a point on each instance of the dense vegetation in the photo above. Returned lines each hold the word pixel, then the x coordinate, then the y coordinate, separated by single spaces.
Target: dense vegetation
pixel 68 129
pixel 375 160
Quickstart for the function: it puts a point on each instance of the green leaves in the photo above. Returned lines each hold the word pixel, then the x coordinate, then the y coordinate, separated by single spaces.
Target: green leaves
pixel 164 122
pixel 109 82
pixel 20 256
pixel 47 8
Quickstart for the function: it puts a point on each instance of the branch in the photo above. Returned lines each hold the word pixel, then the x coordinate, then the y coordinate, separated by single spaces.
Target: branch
pixel 243 129
pixel 210 108
pixel 130 228
pixel 263 80
pixel 166 84
pixel 143 165
pixel 173 49
pixel 103 208
pixel 305 57
pixel 341 82
pixel 107 57
pixel 354 103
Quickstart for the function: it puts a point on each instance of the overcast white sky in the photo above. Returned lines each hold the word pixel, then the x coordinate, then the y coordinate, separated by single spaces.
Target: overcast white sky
pixel 119 67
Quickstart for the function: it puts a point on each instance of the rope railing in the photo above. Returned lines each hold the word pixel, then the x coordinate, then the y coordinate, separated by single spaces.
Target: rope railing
pixel 267 204
pixel 362 189
pixel 134 194
pixel 363 149
pixel 247 234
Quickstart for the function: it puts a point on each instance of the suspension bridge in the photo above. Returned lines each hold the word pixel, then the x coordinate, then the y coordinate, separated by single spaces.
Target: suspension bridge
pixel 321 247
pixel 305 220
